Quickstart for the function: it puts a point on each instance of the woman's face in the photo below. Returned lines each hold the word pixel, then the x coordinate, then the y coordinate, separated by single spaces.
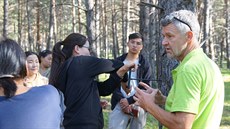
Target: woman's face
pixel 46 61
pixel 32 65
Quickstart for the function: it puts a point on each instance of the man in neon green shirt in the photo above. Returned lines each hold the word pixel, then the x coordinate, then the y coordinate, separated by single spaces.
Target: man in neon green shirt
pixel 197 96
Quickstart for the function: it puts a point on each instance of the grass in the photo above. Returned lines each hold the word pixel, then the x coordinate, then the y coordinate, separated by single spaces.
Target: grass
pixel 225 122
pixel 152 123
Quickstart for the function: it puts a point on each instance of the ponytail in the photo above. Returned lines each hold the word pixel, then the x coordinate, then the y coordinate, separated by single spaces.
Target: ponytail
pixel 9 86
pixel 57 61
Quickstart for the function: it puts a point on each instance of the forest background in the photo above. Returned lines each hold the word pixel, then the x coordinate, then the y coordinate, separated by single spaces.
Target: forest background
pixel 38 24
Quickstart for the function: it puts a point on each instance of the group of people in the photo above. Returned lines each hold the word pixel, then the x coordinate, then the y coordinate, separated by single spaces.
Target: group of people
pixel 195 100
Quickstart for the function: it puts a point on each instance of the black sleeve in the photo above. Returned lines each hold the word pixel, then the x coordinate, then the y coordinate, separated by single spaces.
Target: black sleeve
pixel 97 66
pixel 108 86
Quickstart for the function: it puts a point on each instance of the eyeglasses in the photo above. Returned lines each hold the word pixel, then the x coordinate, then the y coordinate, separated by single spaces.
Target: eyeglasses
pixel 183 22
pixel 86 47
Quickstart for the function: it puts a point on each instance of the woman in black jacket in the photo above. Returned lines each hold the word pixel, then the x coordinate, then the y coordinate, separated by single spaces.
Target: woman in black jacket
pixel 73 72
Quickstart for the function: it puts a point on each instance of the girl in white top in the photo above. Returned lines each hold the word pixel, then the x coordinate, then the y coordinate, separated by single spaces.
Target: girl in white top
pixel 34 78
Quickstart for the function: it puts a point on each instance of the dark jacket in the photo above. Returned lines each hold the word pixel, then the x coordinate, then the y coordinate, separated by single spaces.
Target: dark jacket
pixel 143 72
pixel 81 91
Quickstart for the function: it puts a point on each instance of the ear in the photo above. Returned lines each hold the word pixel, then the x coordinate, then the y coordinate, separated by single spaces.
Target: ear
pixel 189 35
pixel 76 50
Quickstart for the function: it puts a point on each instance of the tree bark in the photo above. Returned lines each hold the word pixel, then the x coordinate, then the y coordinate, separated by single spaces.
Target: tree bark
pixel 208 46
pixel 19 22
pixel 5 18
pixel 90 22
pixel 38 27
pixel 79 16
pixel 97 15
pixel 31 45
pixel 227 31
pixel 55 22
pixel 105 29
pixel 73 16
pixel 115 47
pixel 125 23
pixel 51 24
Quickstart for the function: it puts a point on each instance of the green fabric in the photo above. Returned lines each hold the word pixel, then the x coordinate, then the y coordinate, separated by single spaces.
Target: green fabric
pixel 199 89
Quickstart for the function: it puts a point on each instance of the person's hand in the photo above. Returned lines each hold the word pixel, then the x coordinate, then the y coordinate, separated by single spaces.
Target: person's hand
pixel 104 104
pixel 159 97
pixel 148 89
pixel 125 87
pixel 124 69
pixel 145 98
pixel 126 108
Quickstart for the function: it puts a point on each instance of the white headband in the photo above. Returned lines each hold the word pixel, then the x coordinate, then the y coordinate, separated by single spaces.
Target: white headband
pixel 7 75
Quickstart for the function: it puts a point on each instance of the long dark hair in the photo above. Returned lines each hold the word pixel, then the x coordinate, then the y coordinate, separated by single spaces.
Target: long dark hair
pixel 12 65
pixel 62 51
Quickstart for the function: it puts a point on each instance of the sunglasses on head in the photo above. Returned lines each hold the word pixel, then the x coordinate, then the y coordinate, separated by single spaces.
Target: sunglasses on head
pixel 173 17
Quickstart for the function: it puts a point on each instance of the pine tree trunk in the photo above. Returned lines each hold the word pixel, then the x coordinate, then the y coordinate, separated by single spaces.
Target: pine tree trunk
pixel 55 23
pixel 89 4
pixel 31 45
pixel 79 16
pixel 114 32
pixel 5 18
pixel 38 26
pixel 125 23
pixel 97 15
pixel 73 16
pixel 105 29
pixel 19 23
pixel 51 24
pixel 227 32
